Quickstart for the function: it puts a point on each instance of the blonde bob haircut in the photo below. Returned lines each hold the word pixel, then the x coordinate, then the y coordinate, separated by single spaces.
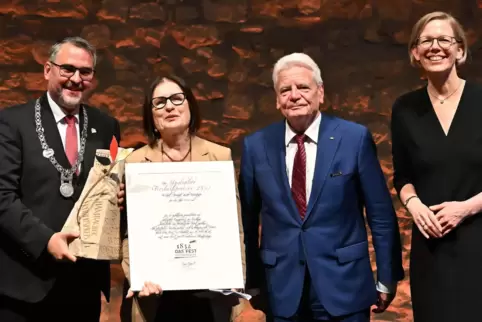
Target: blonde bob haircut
pixel 417 29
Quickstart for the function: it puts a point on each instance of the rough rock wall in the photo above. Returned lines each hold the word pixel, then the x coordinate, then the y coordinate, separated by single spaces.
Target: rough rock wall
pixel 225 49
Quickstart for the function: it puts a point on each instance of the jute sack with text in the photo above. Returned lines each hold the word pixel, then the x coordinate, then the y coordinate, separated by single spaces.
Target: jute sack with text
pixel 96 215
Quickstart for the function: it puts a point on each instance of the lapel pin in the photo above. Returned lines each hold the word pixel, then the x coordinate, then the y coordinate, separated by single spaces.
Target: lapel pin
pixel 92 130
pixel 332 138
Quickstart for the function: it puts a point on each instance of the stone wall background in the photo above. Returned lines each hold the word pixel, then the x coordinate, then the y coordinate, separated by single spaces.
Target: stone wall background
pixel 225 49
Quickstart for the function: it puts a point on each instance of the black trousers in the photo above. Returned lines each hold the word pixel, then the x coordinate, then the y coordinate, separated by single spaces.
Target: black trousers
pixel 73 299
pixel 183 306
pixel 178 306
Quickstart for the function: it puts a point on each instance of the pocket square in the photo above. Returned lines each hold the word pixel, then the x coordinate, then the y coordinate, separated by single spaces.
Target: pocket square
pixel 92 130
pixel 336 174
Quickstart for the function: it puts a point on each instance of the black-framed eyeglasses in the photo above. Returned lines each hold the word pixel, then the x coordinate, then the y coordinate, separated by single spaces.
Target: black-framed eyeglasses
pixel 161 101
pixel 444 42
pixel 67 70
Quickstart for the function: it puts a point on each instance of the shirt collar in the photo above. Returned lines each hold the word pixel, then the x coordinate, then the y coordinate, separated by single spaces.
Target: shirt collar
pixel 311 132
pixel 57 111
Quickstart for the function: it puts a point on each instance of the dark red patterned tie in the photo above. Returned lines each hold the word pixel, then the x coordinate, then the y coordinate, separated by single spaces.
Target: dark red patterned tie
pixel 298 181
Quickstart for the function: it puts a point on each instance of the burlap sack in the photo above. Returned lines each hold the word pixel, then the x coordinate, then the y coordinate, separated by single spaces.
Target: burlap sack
pixel 96 215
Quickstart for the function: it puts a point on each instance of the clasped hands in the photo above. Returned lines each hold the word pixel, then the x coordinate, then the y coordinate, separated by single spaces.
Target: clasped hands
pixel 438 220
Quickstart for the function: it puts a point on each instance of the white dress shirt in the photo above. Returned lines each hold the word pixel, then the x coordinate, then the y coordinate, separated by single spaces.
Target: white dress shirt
pixel 311 147
pixel 59 116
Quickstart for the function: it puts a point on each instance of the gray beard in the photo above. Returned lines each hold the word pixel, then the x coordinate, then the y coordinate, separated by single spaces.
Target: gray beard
pixel 69 102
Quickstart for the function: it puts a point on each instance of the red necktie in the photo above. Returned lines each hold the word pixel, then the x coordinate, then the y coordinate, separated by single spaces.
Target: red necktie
pixel 298 181
pixel 71 149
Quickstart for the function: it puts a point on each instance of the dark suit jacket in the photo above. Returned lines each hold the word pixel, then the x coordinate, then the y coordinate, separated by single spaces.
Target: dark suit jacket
pixel 332 239
pixel 31 206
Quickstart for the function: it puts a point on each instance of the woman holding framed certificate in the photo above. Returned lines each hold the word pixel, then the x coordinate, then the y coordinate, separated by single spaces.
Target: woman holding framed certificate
pixel 171 120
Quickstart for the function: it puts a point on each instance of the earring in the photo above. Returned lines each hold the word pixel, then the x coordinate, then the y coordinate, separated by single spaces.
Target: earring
pixel 156 133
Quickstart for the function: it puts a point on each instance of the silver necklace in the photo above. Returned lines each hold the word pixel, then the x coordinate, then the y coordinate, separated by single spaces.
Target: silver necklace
pixel 66 175
pixel 442 100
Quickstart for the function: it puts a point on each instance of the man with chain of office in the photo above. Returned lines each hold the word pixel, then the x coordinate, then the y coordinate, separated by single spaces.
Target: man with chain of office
pixel 47 147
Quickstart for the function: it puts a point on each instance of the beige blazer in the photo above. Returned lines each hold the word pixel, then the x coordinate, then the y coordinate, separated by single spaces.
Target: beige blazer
pixel 144 309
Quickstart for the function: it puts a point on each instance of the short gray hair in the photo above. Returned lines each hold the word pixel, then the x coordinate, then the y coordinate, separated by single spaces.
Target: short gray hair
pixel 297 59
pixel 77 42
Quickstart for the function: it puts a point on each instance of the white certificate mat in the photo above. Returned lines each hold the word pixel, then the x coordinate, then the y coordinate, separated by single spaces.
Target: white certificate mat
pixel 183 225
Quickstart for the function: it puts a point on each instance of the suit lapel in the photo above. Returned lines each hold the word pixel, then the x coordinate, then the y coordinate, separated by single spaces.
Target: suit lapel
pixel 328 142
pixel 52 135
pixel 276 152
pixel 199 150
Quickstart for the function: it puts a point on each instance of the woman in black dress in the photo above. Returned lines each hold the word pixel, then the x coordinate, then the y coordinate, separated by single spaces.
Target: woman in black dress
pixel 437 159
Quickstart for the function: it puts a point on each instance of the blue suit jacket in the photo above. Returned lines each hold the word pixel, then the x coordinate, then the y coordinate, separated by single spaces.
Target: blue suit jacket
pixel 332 240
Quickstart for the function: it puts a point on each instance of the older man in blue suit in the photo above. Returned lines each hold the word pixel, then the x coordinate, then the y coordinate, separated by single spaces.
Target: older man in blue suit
pixel 309 178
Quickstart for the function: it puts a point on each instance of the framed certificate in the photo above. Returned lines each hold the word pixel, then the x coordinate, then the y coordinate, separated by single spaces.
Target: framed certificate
pixel 183 225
